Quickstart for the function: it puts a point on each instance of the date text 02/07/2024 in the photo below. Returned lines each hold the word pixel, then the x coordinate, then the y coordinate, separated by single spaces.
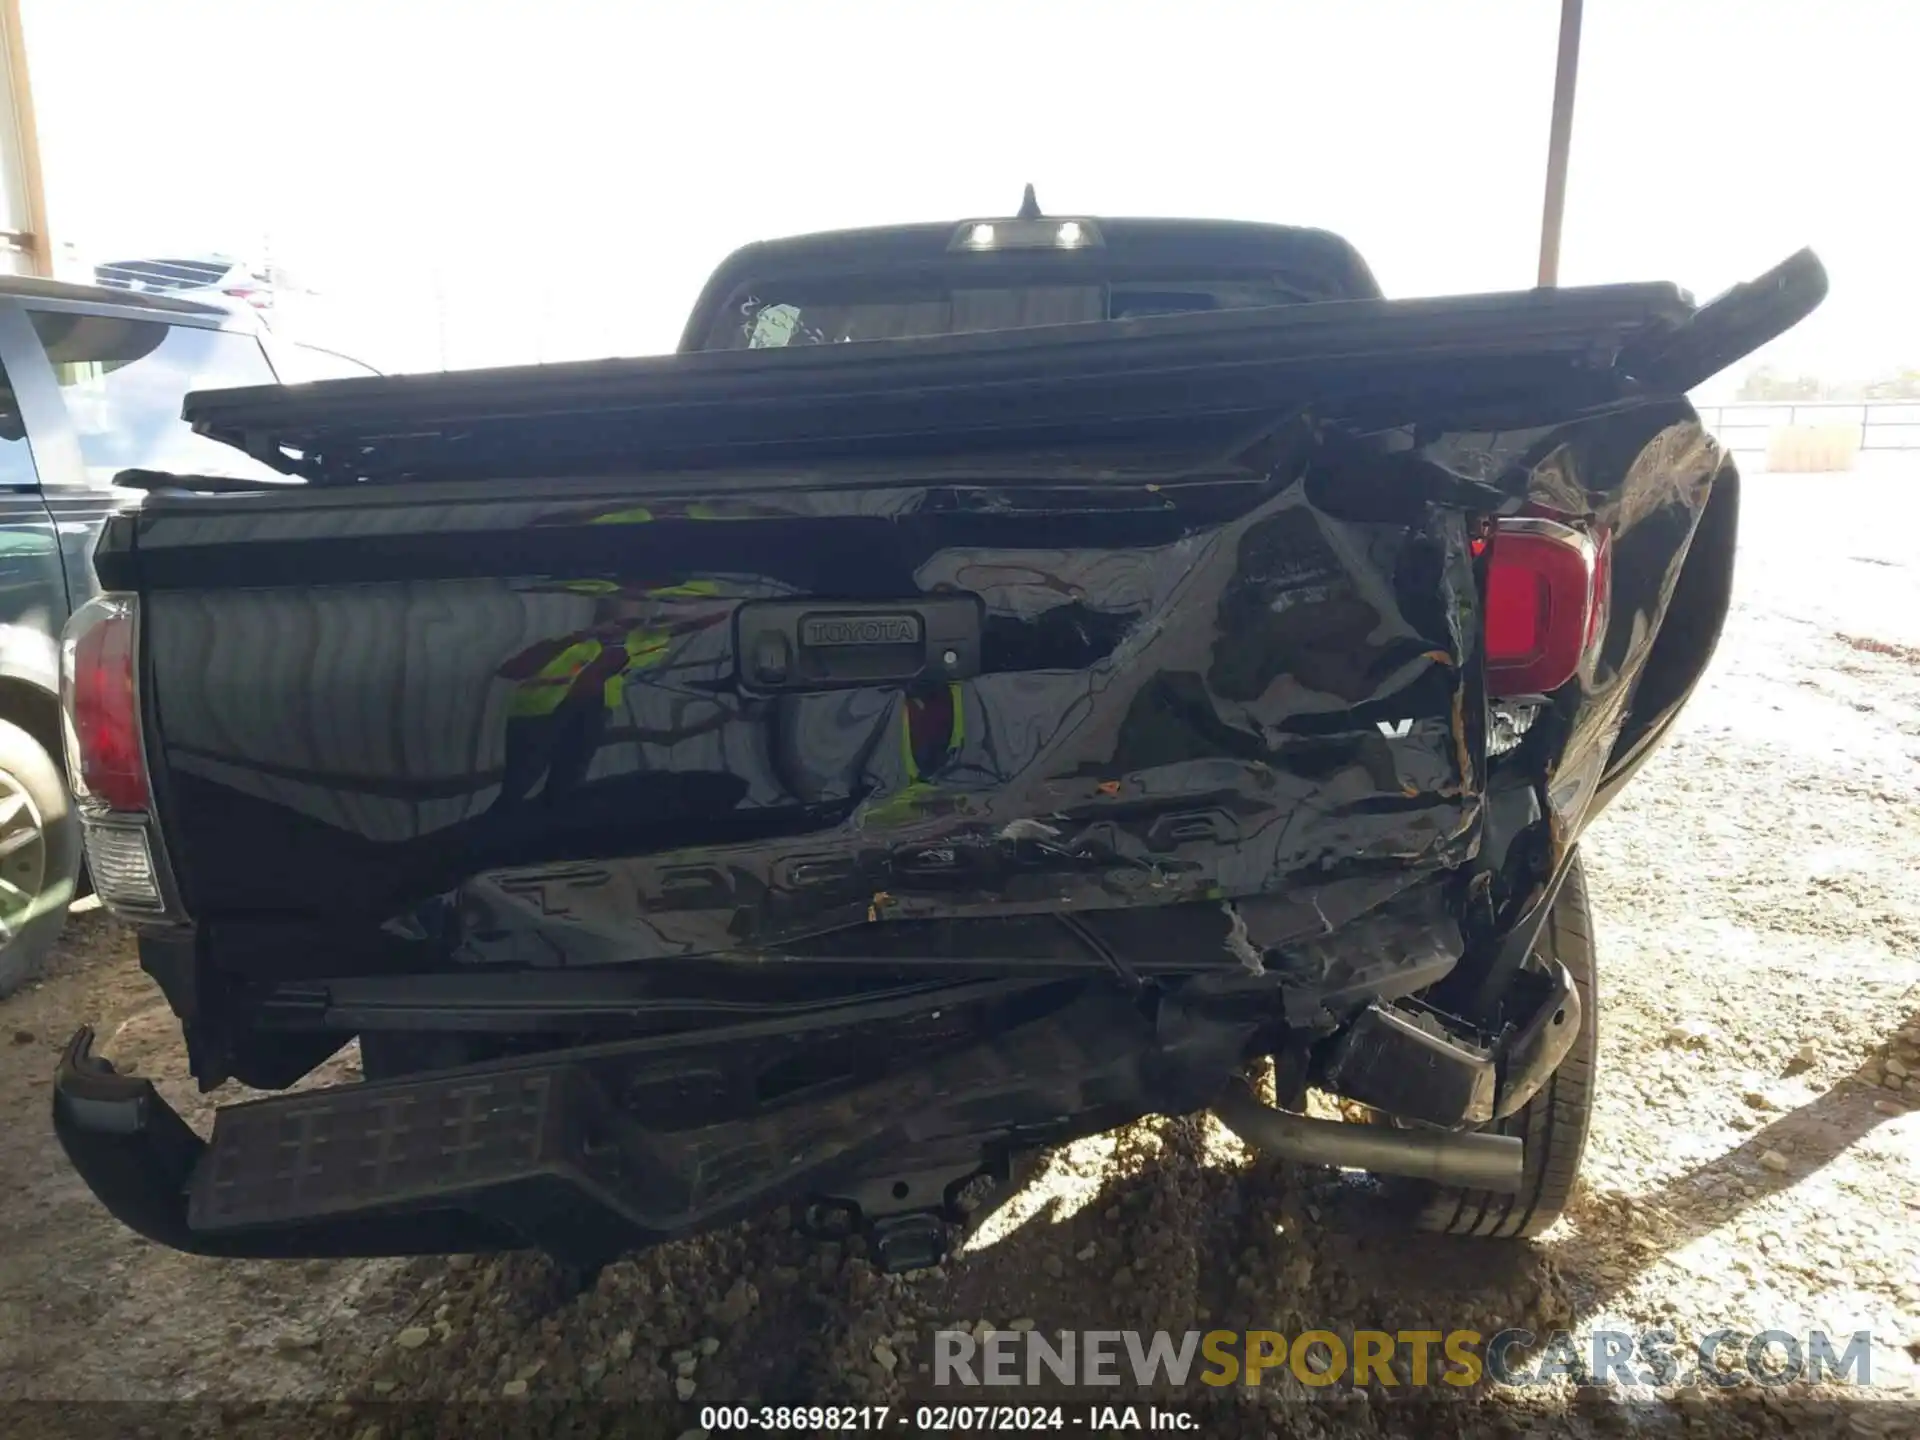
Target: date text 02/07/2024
pixel 944 1419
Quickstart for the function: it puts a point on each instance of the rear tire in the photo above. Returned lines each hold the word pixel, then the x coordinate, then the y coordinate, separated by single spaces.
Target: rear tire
pixel 1553 1124
pixel 40 855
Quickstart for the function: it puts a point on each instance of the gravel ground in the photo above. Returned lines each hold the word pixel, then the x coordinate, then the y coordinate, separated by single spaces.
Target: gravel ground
pixel 1753 1164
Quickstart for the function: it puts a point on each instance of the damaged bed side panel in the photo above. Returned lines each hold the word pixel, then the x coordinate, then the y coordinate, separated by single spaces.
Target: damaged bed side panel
pixel 1644 478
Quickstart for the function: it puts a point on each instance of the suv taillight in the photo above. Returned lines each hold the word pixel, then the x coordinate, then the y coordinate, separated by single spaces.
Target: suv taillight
pixel 1545 606
pixel 106 757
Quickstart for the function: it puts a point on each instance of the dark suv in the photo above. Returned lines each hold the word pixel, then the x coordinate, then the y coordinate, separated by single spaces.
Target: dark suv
pixel 91 381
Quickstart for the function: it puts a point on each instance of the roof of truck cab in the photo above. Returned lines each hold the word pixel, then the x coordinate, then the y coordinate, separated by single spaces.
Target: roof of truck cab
pixel 42 289
pixel 1126 243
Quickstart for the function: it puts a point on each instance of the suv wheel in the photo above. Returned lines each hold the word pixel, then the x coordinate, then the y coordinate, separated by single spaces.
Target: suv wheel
pixel 39 856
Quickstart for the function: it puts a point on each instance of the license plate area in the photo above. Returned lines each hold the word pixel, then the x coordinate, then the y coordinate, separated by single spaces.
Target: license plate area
pixel 827 645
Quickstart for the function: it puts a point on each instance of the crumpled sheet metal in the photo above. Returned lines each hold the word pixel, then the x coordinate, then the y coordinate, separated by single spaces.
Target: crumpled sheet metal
pixel 1286 701
pixel 1645 476
pixel 1278 700
pixel 1241 682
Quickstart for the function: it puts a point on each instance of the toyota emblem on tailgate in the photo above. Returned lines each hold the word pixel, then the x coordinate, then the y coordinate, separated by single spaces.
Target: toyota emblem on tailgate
pixel 823 630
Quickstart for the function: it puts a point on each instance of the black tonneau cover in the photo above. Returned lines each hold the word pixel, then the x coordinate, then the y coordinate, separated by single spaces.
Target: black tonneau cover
pixel 1576 348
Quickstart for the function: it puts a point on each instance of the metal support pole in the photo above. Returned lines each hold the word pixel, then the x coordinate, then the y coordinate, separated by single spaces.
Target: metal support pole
pixel 21 148
pixel 1559 141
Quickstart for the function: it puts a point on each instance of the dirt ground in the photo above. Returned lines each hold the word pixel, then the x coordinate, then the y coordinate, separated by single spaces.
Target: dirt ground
pixel 1755 1162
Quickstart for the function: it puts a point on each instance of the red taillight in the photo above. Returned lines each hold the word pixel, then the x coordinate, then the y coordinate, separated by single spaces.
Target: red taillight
pixel 258 299
pixel 105 760
pixel 1546 596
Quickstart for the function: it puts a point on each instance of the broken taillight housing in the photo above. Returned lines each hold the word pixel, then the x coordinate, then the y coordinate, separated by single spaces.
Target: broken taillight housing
pixel 1545 603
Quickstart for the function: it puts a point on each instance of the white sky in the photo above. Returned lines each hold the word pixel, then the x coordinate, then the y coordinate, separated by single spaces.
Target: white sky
pixel 556 179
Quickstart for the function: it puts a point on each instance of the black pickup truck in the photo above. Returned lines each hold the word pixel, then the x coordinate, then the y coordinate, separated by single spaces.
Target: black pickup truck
pixel 998 681
pixel 91 384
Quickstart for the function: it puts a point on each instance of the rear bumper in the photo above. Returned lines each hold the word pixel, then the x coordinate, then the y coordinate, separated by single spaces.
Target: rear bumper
pixel 589 1150
pixel 537 1151
pixel 139 1158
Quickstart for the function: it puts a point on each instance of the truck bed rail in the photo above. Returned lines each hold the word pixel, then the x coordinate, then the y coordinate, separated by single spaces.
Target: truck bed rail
pixel 1114 381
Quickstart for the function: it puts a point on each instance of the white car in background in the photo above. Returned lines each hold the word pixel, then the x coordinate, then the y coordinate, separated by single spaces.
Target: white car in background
pixel 214 279
pixel 245 290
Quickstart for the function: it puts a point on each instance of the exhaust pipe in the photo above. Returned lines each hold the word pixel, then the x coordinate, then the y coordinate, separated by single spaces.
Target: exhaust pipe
pixel 1473 1161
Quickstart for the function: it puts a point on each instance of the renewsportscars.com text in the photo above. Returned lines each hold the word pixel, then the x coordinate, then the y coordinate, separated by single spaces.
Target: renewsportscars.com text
pixel 1405 1357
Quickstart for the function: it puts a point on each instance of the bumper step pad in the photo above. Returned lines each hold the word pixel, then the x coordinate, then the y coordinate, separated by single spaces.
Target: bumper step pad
pixel 337 1151
pixel 525 1147
pixel 140 1158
